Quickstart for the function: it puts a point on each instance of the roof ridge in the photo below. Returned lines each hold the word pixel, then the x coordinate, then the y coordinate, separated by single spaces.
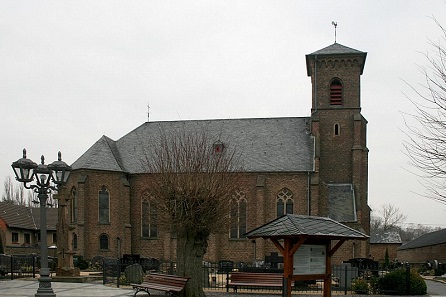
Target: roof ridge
pixel 114 150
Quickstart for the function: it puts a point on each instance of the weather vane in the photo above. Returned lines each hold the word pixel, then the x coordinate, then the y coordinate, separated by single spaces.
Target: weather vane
pixel 335 24
pixel 148 112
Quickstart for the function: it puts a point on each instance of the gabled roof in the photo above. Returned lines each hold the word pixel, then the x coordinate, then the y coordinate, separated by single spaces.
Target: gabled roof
pixel 429 239
pixel 386 237
pixel 291 225
pixel 265 145
pixel 22 217
pixel 103 155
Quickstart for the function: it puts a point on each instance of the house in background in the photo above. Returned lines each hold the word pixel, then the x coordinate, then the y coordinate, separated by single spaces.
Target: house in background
pixel 20 228
pixel 428 247
pixel 379 243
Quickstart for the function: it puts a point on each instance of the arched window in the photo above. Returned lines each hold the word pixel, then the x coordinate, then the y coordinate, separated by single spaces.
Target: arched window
pixel 237 215
pixel 149 213
pixel 73 208
pixel 336 92
pixel 103 242
pixel 104 206
pixel 74 241
pixel 285 202
pixel 336 129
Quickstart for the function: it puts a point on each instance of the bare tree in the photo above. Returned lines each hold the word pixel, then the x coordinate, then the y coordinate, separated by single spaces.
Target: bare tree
pixel 193 182
pixel 426 143
pixel 387 218
pixel 15 193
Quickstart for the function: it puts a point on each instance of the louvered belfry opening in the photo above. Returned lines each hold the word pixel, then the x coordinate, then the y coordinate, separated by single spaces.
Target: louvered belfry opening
pixel 335 92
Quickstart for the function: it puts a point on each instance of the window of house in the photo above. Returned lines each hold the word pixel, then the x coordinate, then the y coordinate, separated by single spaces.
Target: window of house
pixel 336 92
pixel 238 215
pixel 104 206
pixel 103 242
pixel 74 241
pixel 149 214
pixel 285 202
pixel 27 238
pixel 73 205
pixel 15 237
pixel 54 237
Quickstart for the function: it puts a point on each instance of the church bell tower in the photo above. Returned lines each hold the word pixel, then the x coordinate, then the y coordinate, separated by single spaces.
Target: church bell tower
pixel 339 183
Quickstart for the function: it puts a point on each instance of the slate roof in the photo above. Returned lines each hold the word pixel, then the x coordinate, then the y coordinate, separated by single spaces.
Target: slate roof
pixel 335 49
pixel 341 201
pixel 429 239
pixel 22 217
pixel 386 237
pixel 291 225
pixel 265 144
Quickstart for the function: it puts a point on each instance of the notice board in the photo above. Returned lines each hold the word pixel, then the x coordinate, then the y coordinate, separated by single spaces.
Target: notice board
pixel 310 259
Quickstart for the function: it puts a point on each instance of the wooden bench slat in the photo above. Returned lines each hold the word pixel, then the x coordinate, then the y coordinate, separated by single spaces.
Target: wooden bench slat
pixel 249 279
pixel 161 282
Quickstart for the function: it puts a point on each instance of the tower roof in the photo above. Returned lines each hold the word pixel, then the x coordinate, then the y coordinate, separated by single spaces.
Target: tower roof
pixel 336 49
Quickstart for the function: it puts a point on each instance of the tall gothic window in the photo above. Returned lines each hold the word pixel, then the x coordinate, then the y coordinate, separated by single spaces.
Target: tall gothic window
pixel 73 208
pixel 336 92
pixel 285 202
pixel 74 241
pixel 104 206
pixel 149 214
pixel 238 215
pixel 103 242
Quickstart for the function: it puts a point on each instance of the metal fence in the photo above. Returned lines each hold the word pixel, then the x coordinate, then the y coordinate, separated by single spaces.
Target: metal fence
pixel 216 276
pixel 22 266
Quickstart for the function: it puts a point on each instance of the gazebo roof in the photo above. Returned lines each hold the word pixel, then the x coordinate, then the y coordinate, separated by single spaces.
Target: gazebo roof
pixel 291 225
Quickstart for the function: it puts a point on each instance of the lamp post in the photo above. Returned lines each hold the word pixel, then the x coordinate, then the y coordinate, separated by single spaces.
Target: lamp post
pixel 57 173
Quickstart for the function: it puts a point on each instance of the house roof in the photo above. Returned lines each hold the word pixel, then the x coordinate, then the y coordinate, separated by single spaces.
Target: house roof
pixel 22 217
pixel 291 225
pixel 386 237
pixel 265 145
pixel 429 239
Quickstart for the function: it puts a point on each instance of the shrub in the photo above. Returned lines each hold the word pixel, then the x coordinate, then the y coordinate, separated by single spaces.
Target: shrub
pixel 395 283
pixel 360 286
pixel 81 263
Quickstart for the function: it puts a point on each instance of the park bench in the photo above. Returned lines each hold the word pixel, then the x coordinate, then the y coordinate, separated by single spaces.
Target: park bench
pixel 171 284
pixel 250 279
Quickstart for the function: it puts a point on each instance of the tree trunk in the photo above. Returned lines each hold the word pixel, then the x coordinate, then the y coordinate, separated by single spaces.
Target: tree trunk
pixel 190 252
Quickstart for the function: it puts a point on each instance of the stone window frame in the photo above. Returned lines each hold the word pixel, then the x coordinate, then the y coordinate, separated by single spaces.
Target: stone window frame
pixel 74 205
pixel 336 91
pixel 336 129
pixel 149 217
pixel 238 215
pixel 104 241
pixel 284 202
pixel 104 213
pixel 74 241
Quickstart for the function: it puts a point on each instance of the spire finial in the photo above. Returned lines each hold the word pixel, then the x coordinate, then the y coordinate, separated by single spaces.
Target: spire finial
pixel 335 24
pixel 148 112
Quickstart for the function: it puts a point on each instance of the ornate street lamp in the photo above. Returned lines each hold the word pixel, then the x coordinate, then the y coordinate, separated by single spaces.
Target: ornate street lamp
pixel 57 172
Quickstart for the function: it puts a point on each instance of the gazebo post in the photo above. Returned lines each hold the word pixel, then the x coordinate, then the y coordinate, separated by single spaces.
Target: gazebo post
pixel 327 279
pixel 288 265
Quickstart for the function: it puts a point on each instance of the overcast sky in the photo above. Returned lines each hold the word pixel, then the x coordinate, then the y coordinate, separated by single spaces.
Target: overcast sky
pixel 72 71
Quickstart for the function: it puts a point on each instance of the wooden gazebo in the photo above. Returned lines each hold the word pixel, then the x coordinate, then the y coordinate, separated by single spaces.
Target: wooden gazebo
pixel 308 240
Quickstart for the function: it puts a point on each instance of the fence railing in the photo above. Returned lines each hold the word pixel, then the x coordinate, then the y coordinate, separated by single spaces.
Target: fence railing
pixel 22 266
pixel 216 277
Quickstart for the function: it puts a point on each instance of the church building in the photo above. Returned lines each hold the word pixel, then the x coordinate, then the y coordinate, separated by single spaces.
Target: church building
pixel 315 165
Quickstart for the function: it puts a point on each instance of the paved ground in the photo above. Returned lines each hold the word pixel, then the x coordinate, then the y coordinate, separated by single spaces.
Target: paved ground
pixel 28 288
